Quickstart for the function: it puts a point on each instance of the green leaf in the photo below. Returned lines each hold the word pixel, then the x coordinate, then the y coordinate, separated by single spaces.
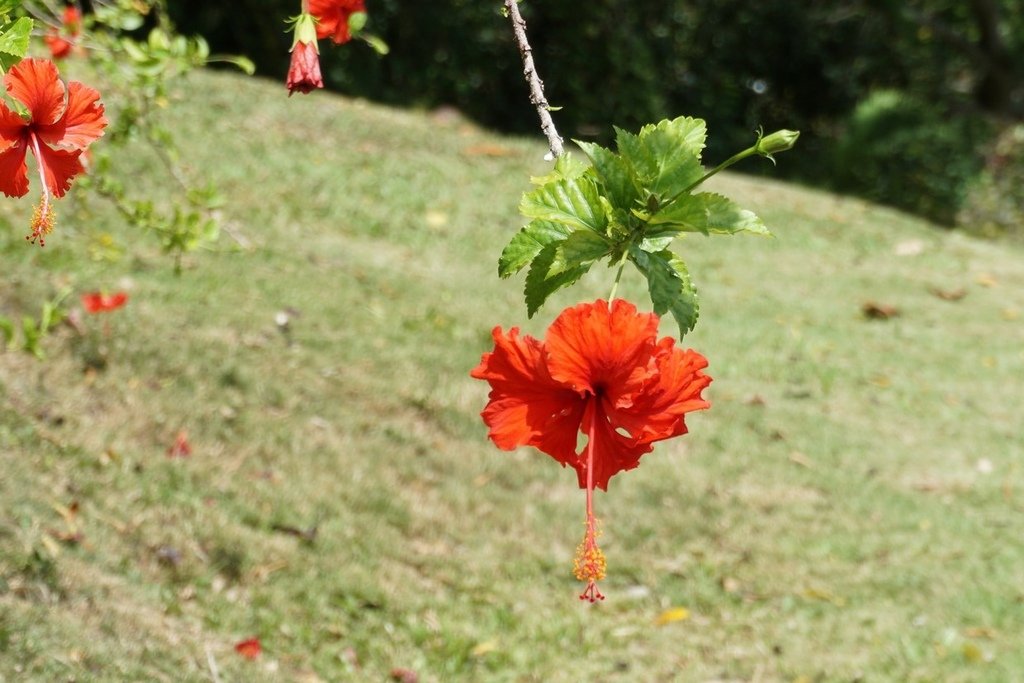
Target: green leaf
pixel 664 158
pixel 675 146
pixel 581 247
pixel 527 243
pixel 708 213
pixel 614 173
pixel 8 6
pixel 573 201
pixel 14 41
pixel 566 167
pixel 541 282
pixel 670 286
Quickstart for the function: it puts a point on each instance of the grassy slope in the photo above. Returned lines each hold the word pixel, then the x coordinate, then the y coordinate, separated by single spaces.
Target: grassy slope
pixel 827 519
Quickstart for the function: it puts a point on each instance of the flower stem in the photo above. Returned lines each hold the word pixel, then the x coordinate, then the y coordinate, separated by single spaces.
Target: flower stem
pixel 749 152
pixel 537 98
pixel 618 276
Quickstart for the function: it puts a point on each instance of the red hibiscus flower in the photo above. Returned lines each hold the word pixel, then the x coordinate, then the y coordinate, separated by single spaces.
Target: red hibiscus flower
pixel 57 38
pixel 95 302
pixel 62 122
pixel 250 648
pixel 333 17
pixel 601 371
pixel 304 72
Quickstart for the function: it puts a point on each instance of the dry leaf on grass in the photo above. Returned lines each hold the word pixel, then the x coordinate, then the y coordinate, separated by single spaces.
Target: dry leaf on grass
pixel 875 311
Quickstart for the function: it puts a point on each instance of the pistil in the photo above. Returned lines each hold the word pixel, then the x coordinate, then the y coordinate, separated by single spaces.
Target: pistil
pixel 589 564
pixel 43 217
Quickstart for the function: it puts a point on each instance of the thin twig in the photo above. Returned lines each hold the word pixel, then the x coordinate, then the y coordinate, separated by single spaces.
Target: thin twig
pixel 536 85
pixel 212 663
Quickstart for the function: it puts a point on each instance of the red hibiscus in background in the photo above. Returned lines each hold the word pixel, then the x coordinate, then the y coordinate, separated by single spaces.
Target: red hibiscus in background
pixel 249 648
pixel 304 73
pixel 97 302
pixel 332 17
pixel 57 39
pixel 62 122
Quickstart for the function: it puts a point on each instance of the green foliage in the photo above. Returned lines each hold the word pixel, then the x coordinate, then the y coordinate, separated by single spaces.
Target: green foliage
pixel 995 198
pixel 14 36
pixel 629 205
pixel 734 63
pixel 136 55
pixel 903 151
pixel 34 329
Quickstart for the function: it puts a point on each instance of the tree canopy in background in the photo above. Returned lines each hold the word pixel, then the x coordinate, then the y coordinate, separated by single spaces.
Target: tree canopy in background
pixel 950 70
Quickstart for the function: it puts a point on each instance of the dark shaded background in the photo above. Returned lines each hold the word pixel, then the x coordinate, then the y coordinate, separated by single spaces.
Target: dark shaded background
pixel 950 72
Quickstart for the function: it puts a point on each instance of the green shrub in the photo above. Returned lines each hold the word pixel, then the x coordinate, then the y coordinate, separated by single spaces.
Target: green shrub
pixel 908 153
pixel 995 200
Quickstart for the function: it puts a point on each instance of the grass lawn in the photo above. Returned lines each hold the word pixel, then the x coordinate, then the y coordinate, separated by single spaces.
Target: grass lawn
pixel 850 509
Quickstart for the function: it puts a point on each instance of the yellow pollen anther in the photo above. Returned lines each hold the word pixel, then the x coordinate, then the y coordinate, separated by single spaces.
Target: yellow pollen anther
pixel 43 219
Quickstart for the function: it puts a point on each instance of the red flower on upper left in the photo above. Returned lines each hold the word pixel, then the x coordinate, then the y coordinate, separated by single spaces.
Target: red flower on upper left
pixel 60 123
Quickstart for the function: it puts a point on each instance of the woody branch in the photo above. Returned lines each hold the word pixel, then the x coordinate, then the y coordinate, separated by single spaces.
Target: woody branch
pixel 537 98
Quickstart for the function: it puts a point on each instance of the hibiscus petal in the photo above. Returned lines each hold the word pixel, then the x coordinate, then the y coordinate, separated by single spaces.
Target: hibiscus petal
pixel 59 167
pixel 613 452
pixel 36 84
pixel 595 348
pixel 12 128
pixel 83 121
pixel 527 407
pixel 657 412
pixel 332 17
pixel 13 172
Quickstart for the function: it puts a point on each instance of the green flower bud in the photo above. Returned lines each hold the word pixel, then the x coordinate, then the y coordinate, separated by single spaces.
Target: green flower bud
pixel 356 22
pixel 779 141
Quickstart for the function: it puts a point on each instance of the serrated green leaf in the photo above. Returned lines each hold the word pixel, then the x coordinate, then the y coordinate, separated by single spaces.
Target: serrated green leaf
pixel 573 201
pixel 579 248
pixel 614 173
pixel 664 158
pixel 527 243
pixel 14 41
pixel 675 148
pixel 656 243
pixel 566 167
pixel 688 133
pixel 542 283
pixel 670 286
pixel 707 213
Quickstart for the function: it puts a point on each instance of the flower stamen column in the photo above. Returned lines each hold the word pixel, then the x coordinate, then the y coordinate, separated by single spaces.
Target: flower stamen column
pixel 590 564
pixel 43 217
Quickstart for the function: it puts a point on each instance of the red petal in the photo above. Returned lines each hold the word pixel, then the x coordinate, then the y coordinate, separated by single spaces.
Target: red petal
pixel 332 17
pixel 304 72
pixel 92 302
pixel 36 84
pixel 250 649
pixel 59 48
pixel 83 121
pixel 13 128
pixel 59 167
pixel 527 407
pixel 13 172
pixel 613 452
pixel 593 347
pixel 657 412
